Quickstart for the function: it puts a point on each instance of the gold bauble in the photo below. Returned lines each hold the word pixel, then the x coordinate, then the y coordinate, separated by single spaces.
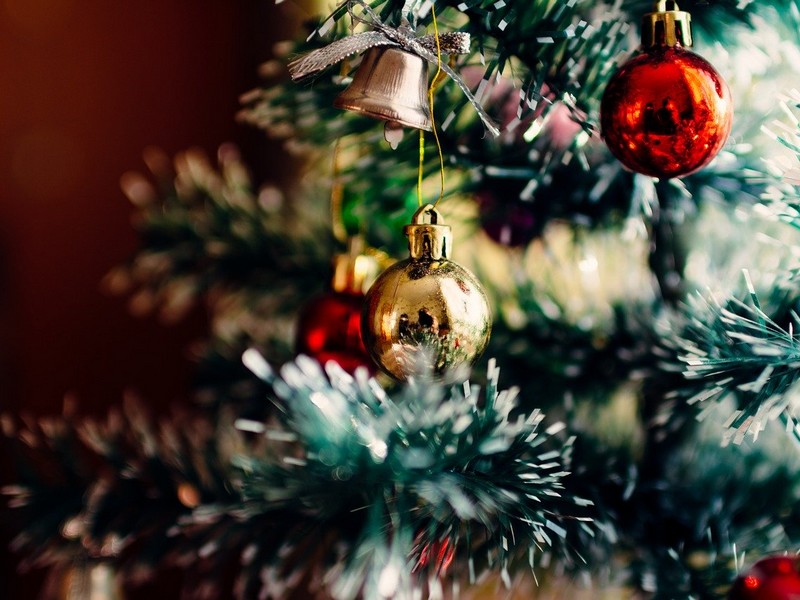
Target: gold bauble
pixel 426 314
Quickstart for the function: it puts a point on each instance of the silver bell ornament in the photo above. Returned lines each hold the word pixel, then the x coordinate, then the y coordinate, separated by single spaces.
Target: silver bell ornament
pixel 391 85
pixel 426 314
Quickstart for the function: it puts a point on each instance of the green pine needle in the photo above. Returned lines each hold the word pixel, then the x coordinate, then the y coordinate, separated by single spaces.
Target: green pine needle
pixel 432 467
pixel 728 346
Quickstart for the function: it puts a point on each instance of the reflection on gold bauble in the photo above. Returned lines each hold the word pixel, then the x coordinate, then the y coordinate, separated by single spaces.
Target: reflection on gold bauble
pixel 426 314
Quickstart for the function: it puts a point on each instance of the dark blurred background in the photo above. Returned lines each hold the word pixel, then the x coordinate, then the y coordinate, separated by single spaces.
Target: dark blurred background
pixel 86 86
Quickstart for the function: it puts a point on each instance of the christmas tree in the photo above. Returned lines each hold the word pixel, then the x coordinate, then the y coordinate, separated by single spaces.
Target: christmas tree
pixel 568 171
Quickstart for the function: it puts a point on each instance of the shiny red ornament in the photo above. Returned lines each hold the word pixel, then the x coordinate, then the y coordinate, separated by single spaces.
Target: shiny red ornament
pixel 667 112
pixel 330 329
pixel 772 578
pixel 330 325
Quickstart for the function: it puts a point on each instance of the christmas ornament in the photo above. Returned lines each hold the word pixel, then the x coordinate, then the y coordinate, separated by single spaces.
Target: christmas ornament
pixel 772 578
pixel 392 81
pixel 666 112
pixel 504 216
pixel 437 555
pixel 426 310
pixel 330 325
pixel 390 84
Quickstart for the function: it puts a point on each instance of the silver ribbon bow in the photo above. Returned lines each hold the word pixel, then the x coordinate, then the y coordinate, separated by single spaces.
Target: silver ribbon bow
pixel 402 37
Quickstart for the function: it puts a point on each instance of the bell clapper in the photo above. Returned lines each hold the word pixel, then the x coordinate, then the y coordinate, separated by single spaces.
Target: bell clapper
pixel 393 133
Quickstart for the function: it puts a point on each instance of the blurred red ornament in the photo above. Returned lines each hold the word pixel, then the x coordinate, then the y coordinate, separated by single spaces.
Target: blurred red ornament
pixel 772 578
pixel 330 329
pixel 438 554
pixel 330 325
pixel 667 112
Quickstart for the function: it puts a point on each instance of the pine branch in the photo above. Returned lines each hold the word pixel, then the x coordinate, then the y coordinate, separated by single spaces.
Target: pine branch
pixel 429 466
pixel 750 350
pixel 350 482
pixel 352 491
pixel 112 489
pixel 206 234
pixel 712 504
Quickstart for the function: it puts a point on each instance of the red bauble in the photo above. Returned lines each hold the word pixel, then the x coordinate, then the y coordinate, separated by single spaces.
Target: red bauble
pixel 437 555
pixel 773 578
pixel 330 329
pixel 666 112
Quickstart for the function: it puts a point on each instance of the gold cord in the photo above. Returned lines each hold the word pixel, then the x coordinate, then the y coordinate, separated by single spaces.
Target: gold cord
pixel 432 88
pixel 434 84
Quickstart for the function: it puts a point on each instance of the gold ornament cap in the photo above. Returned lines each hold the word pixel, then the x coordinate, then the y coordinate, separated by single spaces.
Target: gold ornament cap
pixel 354 271
pixel 428 236
pixel 667 25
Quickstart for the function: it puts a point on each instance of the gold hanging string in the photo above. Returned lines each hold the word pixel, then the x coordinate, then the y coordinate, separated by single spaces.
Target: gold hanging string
pixel 437 78
pixel 421 165
pixel 431 90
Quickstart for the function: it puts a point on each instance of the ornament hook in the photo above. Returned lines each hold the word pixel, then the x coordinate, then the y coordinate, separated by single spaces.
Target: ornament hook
pixel 665 5
pixel 428 236
pixel 667 25
pixel 426 215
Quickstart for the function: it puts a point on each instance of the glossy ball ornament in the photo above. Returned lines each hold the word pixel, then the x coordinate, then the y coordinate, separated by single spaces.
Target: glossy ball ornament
pixel 505 217
pixel 667 112
pixel 426 314
pixel 772 578
pixel 329 327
